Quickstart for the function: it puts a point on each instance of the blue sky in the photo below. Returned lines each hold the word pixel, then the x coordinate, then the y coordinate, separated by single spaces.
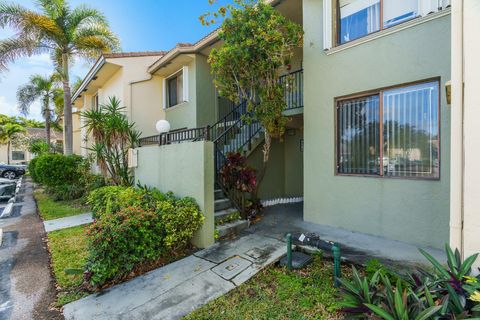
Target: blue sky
pixel 142 25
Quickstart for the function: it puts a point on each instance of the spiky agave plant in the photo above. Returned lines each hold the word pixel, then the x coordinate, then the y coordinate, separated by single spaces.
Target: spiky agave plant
pixel 112 136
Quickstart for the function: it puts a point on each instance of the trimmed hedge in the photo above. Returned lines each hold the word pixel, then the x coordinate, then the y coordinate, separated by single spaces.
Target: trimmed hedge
pixel 134 226
pixel 64 177
pixel 56 169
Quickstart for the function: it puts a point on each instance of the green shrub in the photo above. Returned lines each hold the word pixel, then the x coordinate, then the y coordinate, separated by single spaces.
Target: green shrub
pixel 136 225
pixel 112 199
pixel 66 192
pixel 181 218
pixel 102 198
pixel 117 242
pixel 31 169
pixel 55 169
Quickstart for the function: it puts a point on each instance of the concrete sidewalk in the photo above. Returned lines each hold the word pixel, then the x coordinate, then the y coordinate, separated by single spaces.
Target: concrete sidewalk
pixel 179 288
pixel 68 222
pixel 27 289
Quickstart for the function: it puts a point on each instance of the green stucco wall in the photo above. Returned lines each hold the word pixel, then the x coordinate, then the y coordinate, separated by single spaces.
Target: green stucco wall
pixel 414 211
pixel 284 174
pixel 184 115
pixel 186 169
pixel 205 91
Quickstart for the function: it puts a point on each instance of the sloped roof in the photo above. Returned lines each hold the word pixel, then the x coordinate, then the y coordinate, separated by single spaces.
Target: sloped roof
pixel 40 133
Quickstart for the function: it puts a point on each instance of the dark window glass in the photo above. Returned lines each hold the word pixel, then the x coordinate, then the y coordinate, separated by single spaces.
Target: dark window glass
pixel 18 155
pixel 359 136
pixel 172 92
pixel 410 126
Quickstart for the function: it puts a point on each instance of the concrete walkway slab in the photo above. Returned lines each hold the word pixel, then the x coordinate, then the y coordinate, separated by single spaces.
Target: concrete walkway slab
pixel 123 298
pixel 183 299
pixel 68 222
pixel 179 288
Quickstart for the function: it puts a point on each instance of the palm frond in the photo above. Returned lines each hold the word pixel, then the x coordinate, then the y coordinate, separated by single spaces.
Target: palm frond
pixel 14 48
pixel 84 16
pixel 26 95
pixel 54 8
pixel 11 15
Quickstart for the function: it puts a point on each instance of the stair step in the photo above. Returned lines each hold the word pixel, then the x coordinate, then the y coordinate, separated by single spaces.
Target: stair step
pixel 219 194
pixel 232 228
pixel 222 214
pixel 222 204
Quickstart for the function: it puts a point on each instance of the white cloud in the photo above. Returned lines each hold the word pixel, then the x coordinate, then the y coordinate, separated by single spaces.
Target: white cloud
pixel 6 107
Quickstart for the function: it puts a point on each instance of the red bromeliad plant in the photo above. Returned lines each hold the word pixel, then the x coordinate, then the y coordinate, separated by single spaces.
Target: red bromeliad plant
pixel 239 177
pixel 236 174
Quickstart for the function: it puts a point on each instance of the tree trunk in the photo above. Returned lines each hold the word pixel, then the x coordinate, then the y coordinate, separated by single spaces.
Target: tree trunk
pixel 47 121
pixel 67 110
pixel 8 152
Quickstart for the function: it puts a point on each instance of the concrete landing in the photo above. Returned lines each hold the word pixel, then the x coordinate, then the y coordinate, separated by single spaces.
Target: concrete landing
pixel 356 247
pixel 179 288
pixel 68 222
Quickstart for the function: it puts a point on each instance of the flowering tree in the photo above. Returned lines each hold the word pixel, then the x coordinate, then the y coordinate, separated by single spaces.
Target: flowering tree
pixel 257 42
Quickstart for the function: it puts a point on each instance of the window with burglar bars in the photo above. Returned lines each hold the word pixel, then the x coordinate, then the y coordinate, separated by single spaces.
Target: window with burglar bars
pixel 392 133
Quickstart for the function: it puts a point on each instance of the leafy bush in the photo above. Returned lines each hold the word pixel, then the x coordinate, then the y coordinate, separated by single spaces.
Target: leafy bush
pixel 102 198
pixel 32 169
pixel 446 293
pixel 55 169
pixel 119 241
pixel 112 199
pixel 181 218
pixel 134 226
pixel 66 192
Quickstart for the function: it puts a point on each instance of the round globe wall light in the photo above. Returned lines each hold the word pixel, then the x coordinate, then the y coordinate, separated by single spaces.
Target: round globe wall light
pixel 162 126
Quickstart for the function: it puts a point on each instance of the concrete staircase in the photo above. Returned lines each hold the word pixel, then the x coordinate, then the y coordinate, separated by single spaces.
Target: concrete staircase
pixel 227 218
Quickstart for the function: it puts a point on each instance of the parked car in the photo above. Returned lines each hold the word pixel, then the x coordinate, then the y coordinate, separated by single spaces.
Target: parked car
pixel 9 171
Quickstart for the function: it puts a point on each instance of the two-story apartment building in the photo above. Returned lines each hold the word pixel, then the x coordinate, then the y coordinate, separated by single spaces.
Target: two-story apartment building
pixel 368 141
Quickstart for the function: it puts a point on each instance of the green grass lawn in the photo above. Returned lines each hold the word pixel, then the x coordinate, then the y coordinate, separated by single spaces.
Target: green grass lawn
pixel 276 293
pixel 68 248
pixel 50 209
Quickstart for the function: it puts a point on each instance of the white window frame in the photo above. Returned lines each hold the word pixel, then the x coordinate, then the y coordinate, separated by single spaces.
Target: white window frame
pixel 184 71
pixel 425 8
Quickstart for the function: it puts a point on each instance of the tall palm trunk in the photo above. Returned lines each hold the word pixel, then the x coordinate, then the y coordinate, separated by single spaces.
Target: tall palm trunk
pixel 67 110
pixel 8 152
pixel 46 111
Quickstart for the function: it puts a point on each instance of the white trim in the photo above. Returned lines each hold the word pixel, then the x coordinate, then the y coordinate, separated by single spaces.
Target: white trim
pixel 184 72
pixel 327 24
pixel 164 93
pixel 386 32
pixel 185 84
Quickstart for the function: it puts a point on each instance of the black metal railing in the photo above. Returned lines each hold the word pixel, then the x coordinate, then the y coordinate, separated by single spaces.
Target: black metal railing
pixel 176 136
pixel 230 119
pixel 293 89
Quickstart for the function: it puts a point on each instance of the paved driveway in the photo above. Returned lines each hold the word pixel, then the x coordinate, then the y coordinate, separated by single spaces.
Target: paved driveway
pixel 26 286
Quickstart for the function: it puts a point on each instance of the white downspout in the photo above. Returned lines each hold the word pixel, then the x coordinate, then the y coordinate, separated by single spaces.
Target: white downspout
pixel 457 151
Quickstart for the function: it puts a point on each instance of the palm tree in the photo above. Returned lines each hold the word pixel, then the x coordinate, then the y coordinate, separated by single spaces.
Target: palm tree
pixel 62 32
pixel 43 89
pixel 8 132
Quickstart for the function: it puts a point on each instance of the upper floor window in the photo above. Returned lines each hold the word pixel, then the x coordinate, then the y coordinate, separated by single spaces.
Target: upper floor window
pixel 95 102
pixel 393 133
pixel 358 18
pixel 176 88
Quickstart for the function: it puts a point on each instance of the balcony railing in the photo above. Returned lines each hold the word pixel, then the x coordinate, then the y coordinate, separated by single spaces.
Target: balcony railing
pixel 177 136
pixel 293 89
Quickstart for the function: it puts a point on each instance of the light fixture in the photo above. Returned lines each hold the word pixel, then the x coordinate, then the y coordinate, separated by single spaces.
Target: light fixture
pixel 162 126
